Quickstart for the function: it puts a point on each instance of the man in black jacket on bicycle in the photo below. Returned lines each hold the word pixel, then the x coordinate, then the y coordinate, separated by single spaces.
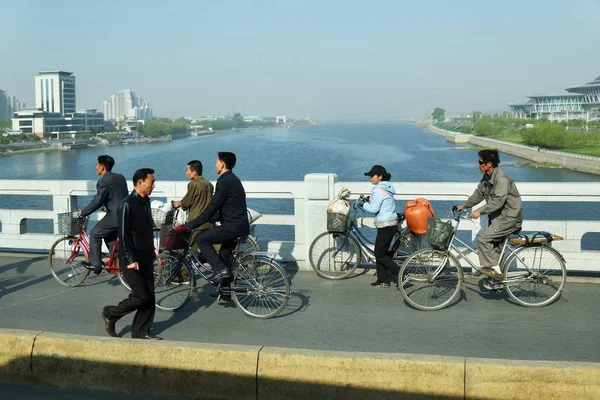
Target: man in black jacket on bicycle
pixel 229 201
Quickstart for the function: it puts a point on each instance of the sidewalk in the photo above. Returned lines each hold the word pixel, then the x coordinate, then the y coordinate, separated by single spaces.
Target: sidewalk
pixel 344 315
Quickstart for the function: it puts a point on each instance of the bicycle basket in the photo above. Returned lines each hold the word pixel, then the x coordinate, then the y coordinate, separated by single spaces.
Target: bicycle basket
pixel 337 223
pixel 70 223
pixel 158 216
pixel 439 233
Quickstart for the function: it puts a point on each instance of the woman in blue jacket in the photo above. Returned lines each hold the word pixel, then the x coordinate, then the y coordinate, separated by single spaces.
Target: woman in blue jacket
pixel 382 204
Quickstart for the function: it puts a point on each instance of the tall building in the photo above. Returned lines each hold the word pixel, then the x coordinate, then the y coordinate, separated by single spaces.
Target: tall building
pixel 126 105
pixel 55 92
pixel 9 105
pixel 55 115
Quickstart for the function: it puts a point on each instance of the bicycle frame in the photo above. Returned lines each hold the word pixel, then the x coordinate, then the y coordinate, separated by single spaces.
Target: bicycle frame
pixel 83 241
pixel 367 251
pixel 507 251
pixel 190 259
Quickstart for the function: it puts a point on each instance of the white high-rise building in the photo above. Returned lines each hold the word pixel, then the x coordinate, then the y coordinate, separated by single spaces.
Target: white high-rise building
pixel 55 92
pixel 9 105
pixel 126 105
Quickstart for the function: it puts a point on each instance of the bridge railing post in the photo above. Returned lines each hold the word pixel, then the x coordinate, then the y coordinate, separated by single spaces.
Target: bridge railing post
pixel 320 190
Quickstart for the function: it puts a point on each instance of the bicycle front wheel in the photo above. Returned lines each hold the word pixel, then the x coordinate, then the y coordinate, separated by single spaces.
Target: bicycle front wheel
pixel 535 275
pixel 65 261
pixel 430 279
pixel 174 282
pixel 334 255
pixel 260 287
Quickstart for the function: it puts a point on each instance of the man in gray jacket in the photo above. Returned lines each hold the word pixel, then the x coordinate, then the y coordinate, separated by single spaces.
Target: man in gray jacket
pixel 111 190
pixel 503 207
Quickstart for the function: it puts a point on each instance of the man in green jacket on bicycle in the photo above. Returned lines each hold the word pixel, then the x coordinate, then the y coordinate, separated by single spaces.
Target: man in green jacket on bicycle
pixel 503 207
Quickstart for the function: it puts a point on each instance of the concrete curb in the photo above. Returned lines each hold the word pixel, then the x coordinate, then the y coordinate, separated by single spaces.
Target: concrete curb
pixel 214 371
pixel 312 374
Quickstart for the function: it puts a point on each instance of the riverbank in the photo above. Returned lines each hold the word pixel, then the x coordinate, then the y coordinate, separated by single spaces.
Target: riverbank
pixel 64 145
pixel 541 157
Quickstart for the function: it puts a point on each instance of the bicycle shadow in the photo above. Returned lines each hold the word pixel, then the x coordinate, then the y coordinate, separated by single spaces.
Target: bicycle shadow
pixel 20 280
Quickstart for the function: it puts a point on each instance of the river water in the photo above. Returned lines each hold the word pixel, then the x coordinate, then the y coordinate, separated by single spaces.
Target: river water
pixel 410 153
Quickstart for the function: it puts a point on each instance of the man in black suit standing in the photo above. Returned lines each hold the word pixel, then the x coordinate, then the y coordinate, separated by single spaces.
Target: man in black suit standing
pixel 229 201
pixel 111 190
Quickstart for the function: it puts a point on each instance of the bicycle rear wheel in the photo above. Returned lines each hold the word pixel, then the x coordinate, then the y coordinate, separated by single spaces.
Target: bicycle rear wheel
pixel 65 261
pixel 408 243
pixel 334 256
pixel 247 246
pixel 535 275
pixel 174 282
pixel 260 287
pixel 431 279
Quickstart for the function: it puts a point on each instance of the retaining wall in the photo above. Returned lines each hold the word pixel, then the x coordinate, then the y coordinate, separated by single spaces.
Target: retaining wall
pixel 574 162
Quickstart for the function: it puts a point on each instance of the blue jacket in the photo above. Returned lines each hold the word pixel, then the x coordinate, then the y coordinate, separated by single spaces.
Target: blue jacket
pixel 382 204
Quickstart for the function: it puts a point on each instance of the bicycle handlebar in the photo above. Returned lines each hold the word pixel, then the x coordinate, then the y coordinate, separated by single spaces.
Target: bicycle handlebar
pixel 460 214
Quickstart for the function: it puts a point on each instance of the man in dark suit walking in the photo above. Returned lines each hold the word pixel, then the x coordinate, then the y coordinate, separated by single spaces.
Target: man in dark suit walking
pixel 136 251
pixel 229 201
pixel 111 189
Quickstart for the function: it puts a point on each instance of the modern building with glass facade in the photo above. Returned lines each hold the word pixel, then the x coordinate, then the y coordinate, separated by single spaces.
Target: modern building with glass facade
pixel 578 102
pixel 56 115
pixel 48 125
pixel 55 92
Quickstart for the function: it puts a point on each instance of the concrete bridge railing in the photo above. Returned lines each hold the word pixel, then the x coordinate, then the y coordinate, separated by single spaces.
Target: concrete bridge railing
pixel 310 199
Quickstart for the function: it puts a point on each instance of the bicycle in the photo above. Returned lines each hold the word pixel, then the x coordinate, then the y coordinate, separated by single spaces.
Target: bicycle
pixel 67 253
pixel 260 286
pixel 336 255
pixel 533 273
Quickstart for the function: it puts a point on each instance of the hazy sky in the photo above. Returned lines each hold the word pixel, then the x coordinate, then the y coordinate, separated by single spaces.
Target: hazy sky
pixel 326 59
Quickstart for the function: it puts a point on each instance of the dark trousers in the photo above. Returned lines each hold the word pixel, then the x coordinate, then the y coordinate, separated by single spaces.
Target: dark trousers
pixel 387 269
pixel 205 241
pixel 102 230
pixel 141 299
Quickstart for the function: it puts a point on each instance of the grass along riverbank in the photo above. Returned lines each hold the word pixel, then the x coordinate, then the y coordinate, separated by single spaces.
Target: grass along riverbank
pixel 542 134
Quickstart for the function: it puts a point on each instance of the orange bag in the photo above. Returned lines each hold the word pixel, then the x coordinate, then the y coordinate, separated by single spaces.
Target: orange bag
pixel 416 213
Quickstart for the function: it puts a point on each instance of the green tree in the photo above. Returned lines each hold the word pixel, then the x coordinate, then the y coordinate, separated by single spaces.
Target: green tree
pixel 5 124
pixel 239 120
pixel 438 114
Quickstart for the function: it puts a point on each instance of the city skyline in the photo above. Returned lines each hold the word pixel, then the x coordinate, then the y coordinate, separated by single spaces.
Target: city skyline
pixel 327 60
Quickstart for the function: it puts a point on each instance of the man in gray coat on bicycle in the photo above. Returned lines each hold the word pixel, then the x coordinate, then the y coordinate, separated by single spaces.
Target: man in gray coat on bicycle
pixel 503 207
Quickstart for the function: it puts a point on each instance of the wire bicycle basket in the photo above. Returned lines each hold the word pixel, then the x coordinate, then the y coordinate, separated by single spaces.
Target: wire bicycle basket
pixel 70 223
pixel 439 233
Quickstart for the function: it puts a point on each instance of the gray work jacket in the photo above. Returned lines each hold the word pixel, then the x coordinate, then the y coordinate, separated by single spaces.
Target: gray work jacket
pixel 501 195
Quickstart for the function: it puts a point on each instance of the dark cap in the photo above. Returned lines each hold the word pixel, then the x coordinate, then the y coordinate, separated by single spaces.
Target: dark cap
pixel 376 170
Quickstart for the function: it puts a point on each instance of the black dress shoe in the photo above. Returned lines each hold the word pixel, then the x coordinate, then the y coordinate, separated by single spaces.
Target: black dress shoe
pixel 109 325
pixel 91 267
pixel 150 337
pixel 222 274
pixel 376 283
